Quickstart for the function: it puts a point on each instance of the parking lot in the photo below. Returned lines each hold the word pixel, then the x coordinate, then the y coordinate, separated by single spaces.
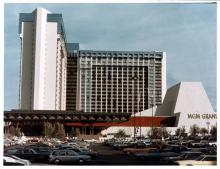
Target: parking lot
pixel 110 156
pixel 114 152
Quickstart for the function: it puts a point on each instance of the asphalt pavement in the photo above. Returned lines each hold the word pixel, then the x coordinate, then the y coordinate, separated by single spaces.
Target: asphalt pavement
pixel 109 156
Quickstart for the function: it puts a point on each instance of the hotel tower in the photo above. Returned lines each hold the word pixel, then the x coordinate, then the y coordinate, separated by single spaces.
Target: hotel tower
pixel 43 61
pixel 56 75
pixel 114 81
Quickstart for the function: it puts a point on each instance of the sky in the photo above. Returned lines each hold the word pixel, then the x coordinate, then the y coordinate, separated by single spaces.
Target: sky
pixel 186 32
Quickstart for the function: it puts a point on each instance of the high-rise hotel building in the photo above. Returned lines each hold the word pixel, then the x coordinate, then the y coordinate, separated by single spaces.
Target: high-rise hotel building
pixel 56 75
pixel 43 61
pixel 114 81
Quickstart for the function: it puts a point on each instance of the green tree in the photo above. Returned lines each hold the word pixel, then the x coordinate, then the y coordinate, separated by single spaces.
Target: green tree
pixel 213 132
pixel 59 131
pixel 181 131
pixel 203 131
pixel 78 131
pixel 73 132
pixel 120 134
pixel 54 130
pixel 158 133
pixel 14 131
pixel 11 131
pixel 48 129
pixel 17 131
pixel 194 130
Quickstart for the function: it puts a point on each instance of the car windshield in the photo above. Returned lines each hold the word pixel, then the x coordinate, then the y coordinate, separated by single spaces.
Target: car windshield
pixel 29 151
pixel 42 148
pixel 12 151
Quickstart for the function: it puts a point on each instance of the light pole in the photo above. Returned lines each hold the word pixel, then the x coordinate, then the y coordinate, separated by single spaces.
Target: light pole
pixel 134 78
pixel 152 112
pixel 140 113
pixel 152 96
pixel 134 127
pixel 208 123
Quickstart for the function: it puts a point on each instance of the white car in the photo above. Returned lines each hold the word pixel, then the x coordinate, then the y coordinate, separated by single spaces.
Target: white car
pixel 213 144
pixel 14 160
pixel 202 160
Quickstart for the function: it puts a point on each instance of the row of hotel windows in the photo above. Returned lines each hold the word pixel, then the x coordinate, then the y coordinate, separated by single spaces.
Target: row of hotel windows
pixel 114 62
pixel 121 55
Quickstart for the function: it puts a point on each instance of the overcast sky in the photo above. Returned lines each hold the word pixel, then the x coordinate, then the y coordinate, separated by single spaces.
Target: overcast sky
pixel 186 32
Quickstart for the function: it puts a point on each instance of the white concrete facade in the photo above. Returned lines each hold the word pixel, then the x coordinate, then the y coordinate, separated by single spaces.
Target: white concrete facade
pixel 43 64
pixel 190 104
pixel 164 76
pixel 187 101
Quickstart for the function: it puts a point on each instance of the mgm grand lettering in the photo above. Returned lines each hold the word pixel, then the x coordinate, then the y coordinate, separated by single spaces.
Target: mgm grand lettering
pixel 202 116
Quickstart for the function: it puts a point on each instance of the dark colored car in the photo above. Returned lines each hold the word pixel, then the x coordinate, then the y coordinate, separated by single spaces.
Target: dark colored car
pixel 187 155
pixel 84 152
pixel 62 146
pixel 142 144
pixel 154 155
pixel 28 154
pixel 120 146
pixel 44 152
pixel 175 148
pixel 203 150
pixel 198 145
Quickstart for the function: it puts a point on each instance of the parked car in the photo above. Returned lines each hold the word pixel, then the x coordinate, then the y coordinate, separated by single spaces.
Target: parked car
pixel 198 145
pixel 211 151
pixel 204 150
pixel 80 144
pixel 28 154
pixel 84 152
pixel 44 152
pixel 62 146
pixel 213 144
pixel 10 160
pixel 202 160
pixel 174 148
pixel 142 144
pixel 186 155
pixel 154 155
pixel 68 156
pixel 137 150
pixel 120 146
pixel 19 160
